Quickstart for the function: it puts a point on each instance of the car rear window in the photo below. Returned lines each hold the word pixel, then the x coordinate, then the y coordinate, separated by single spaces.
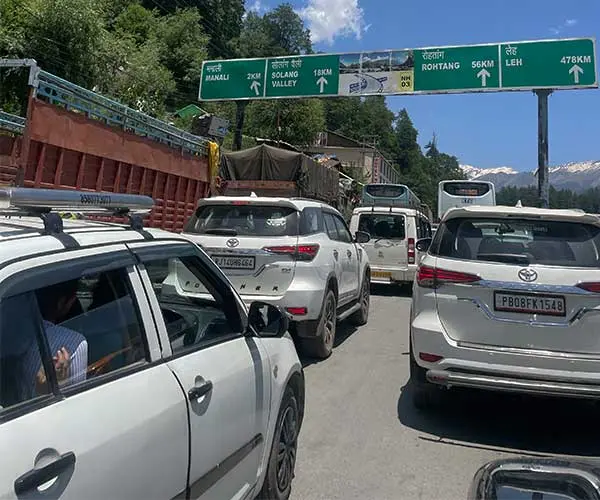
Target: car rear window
pixel 466 188
pixel 385 191
pixel 389 226
pixel 244 220
pixel 519 241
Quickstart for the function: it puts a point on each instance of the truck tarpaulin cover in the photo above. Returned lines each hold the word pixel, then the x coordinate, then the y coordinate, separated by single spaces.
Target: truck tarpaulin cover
pixel 266 163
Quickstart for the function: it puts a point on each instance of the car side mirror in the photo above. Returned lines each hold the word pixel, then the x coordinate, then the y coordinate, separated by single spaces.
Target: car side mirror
pixel 268 320
pixel 361 237
pixel 531 478
pixel 423 244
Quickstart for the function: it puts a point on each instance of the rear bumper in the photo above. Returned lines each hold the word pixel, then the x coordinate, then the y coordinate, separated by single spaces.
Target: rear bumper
pixel 508 384
pixel 311 299
pixel 392 275
pixel 499 369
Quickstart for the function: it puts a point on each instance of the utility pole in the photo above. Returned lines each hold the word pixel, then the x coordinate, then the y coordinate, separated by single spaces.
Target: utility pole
pixel 542 170
pixel 371 141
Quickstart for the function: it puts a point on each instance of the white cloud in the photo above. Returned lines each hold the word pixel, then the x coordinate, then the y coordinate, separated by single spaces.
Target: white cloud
pixel 257 6
pixel 557 30
pixel 330 19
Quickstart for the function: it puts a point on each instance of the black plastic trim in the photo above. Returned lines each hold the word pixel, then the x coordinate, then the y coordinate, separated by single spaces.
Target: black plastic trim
pixel 213 476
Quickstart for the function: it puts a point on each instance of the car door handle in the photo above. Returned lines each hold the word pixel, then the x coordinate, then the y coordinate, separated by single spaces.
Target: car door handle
pixel 349 254
pixel 36 477
pixel 335 254
pixel 198 391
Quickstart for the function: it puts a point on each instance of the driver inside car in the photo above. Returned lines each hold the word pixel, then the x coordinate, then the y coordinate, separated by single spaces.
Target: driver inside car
pixel 69 348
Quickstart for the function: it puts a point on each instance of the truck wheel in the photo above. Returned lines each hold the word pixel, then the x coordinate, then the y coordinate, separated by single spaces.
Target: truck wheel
pixel 282 459
pixel 360 317
pixel 321 346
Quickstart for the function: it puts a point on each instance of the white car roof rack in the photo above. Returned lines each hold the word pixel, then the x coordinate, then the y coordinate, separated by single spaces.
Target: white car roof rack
pixel 45 203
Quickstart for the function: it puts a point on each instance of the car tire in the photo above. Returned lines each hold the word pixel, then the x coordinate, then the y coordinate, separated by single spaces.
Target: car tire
pixel 361 317
pixel 282 458
pixel 425 395
pixel 321 345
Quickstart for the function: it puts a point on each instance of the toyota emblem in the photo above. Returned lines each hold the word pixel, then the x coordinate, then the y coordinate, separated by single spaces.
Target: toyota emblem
pixel 528 275
pixel 233 242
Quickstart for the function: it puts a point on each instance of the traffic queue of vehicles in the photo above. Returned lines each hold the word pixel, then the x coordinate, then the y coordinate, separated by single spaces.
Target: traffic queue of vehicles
pixel 181 350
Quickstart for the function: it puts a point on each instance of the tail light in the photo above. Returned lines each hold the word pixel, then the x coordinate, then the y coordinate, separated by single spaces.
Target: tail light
pixel 432 277
pixel 590 286
pixel 411 250
pixel 297 252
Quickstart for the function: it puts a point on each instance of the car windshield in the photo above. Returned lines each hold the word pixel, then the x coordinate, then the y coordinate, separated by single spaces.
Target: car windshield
pixel 389 226
pixel 519 241
pixel 244 220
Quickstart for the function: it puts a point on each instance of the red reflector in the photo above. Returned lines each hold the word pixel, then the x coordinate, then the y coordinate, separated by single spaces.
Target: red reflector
pixel 430 358
pixel 297 311
pixel 432 277
pixel 299 252
pixel 591 286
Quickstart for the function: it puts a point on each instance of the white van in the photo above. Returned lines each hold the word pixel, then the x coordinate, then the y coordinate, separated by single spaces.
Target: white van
pixel 391 249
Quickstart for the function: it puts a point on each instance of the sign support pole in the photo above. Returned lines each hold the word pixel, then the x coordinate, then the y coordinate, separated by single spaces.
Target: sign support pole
pixel 542 171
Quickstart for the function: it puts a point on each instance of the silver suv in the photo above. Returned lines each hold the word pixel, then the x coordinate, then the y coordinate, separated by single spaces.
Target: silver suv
pixel 295 253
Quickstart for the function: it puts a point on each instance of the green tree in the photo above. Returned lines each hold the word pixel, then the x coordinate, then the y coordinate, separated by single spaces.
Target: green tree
pixel 182 46
pixel 65 36
pixel 286 31
pixel 295 122
pixel 408 152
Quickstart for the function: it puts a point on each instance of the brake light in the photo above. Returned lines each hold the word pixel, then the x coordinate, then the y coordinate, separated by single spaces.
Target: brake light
pixel 240 202
pixel 297 252
pixel 411 250
pixel 432 277
pixel 297 311
pixel 591 286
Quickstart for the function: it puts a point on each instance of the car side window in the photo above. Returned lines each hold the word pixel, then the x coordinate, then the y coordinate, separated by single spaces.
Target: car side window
pixel 194 312
pixel 311 221
pixel 330 226
pixel 88 326
pixel 342 229
pixel 20 349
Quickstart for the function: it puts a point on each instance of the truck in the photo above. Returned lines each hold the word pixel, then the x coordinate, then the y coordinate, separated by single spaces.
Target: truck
pixel 270 171
pixel 73 138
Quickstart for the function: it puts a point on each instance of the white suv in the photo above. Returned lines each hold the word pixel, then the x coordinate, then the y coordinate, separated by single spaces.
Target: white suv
pixel 296 253
pixel 508 299
pixel 115 381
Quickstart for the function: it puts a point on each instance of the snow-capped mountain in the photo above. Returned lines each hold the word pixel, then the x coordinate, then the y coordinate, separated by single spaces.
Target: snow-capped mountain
pixel 576 176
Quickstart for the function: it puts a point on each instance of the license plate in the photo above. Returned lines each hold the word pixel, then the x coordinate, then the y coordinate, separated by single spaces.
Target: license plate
pixel 547 305
pixel 381 274
pixel 232 262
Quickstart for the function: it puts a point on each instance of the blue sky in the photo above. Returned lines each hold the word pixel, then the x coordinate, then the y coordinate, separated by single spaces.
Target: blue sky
pixel 485 130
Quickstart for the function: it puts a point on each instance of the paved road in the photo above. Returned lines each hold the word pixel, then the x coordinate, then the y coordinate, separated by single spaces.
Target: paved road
pixel 363 439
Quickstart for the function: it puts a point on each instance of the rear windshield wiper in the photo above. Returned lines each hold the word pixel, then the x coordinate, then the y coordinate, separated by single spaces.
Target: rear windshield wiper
pixel 224 232
pixel 508 258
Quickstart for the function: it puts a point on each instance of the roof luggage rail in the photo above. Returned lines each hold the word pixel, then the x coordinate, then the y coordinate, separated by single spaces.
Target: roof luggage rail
pixel 48 203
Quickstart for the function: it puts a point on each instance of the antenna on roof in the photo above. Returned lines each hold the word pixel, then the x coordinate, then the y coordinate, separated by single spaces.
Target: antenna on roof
pixel 519 204
pixel 253 195
pixel 44 203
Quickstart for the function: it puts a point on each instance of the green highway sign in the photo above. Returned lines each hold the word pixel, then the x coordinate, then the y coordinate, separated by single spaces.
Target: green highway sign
pixel 293 76
pixel 457 68
pixel 547 64
pixel 234 79
pixel 565 63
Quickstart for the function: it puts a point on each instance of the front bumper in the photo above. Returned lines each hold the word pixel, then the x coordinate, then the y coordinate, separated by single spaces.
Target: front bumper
pixel 507 384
